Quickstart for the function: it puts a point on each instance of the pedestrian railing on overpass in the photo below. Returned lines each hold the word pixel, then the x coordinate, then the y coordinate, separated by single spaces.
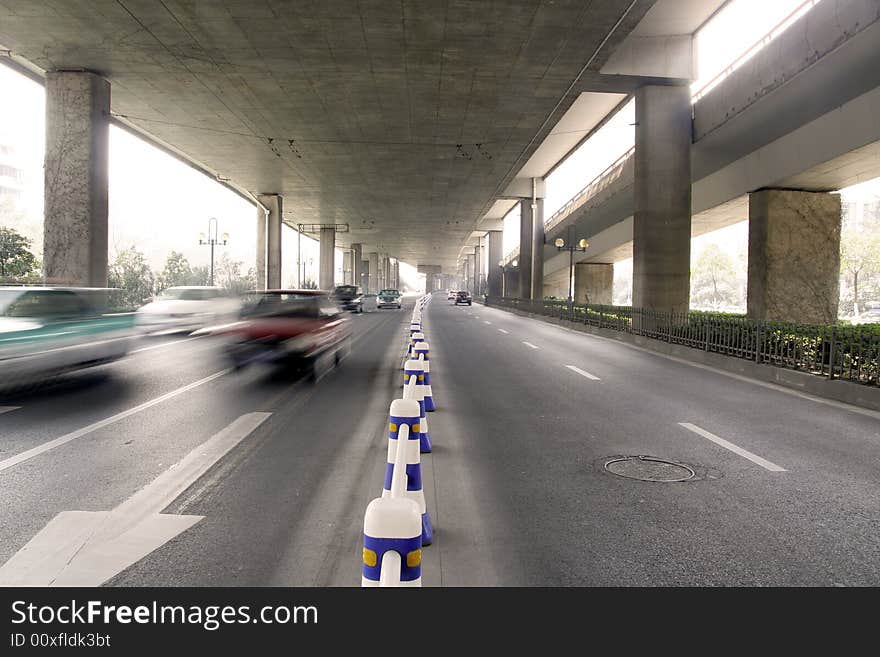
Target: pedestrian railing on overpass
pixel 834 351
pixel 611 173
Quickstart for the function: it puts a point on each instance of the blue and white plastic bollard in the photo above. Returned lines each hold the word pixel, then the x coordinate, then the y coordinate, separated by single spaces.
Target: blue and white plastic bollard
pixel 408 411
pixel 392 553
pixel 414 388
pixel 422 351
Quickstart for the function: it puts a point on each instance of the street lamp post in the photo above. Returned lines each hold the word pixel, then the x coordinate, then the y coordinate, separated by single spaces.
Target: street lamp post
pixel 211 240
pixel 582 245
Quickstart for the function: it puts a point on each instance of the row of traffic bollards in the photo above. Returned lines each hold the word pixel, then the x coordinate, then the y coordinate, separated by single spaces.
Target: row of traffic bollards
pixel 397 525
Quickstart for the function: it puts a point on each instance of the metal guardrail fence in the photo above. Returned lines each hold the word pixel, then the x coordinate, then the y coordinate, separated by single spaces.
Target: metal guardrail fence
pixel 851 353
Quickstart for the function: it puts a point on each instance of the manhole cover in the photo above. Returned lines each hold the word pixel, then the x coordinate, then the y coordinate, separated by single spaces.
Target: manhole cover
pixel 648 468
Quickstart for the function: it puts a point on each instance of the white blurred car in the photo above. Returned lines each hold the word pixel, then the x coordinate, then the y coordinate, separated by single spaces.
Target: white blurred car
pixel 187 308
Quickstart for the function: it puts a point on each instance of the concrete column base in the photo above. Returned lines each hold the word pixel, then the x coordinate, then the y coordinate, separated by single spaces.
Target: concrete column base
pixel 794 256
pixel 593 283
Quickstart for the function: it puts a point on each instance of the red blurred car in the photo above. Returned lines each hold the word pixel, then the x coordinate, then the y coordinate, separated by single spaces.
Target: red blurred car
pixel 303 328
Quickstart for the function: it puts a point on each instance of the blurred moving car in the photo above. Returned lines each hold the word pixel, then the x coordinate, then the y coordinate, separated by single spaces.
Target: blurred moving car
pixel 49 330
pixel 349 297
pixel 463 296
pixel 450 295
pixel 187 308
pixel 303 328
pixel 389 298
pixel 870 315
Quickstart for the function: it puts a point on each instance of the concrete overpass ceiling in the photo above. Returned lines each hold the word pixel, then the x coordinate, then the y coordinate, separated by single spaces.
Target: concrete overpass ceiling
pixel 394 117
pixel 583 116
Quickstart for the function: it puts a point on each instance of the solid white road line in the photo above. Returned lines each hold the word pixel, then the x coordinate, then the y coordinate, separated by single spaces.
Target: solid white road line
pixel 163 345
pixel 591 377
pixel 79 433
pixel 754 458
pixel 86 548
pixel 502 331
pixel 7 409
pixel 529 344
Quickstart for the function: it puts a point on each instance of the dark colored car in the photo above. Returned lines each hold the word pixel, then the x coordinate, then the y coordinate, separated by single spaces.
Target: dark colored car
pixel 303 328
pixel 349 297
pixel 463 296
pixel 389 298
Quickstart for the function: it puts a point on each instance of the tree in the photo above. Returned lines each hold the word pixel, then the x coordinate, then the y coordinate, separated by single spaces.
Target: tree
pixel 227 274
pixel 714 280
pixel 177 272
pixel 859 266
pixel 16 260
pixel 134 278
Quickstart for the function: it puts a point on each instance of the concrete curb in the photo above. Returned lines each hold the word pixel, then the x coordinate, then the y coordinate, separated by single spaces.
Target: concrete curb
pixel 837 390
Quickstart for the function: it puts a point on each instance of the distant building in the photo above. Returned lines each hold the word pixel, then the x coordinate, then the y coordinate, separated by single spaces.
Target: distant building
pixel 11 174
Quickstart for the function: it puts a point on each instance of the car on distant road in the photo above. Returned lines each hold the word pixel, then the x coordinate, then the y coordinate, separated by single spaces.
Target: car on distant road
pixel 868 316
pixel 462 297
pixel 187 308
pixel 305 329
pixel 388 298
pixel 50 330
pixel 349 297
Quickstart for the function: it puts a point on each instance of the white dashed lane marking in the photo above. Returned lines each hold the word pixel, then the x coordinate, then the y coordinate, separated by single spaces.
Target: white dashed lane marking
pixel 584 374
pixel 754 458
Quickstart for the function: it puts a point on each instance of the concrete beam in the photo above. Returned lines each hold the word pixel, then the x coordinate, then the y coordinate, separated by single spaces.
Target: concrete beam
pixel 666 56
pixel 76 174
pixel 520 188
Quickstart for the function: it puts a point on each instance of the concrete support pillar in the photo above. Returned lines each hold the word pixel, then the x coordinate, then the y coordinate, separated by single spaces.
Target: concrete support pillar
pixel 538 249
pixel 478 268
pixel 274 203
pixel 365 276
pixel 357 264
pixel 794 256
pixel 373 284
pixel 525 249
pixel 76 170
pixel 493 252
pixel 347 269
pixel 327 258
pixel 261 248
pixel 395 274
pixel 472 273
pixel 662 221
pixel 531 248
pixel 593 283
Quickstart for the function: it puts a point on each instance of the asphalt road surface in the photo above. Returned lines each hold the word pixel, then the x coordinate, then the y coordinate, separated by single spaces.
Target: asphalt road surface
pixel 273 474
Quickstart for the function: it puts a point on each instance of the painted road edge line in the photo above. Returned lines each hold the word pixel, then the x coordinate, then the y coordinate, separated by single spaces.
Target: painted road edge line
pixel 162 346
pixel 100 424
pixel 8 409
pixel 754 458
pixel 589 376
pixel 529 344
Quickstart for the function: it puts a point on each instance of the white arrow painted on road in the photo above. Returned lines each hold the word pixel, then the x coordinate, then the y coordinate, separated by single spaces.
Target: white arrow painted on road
pixel 86 548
